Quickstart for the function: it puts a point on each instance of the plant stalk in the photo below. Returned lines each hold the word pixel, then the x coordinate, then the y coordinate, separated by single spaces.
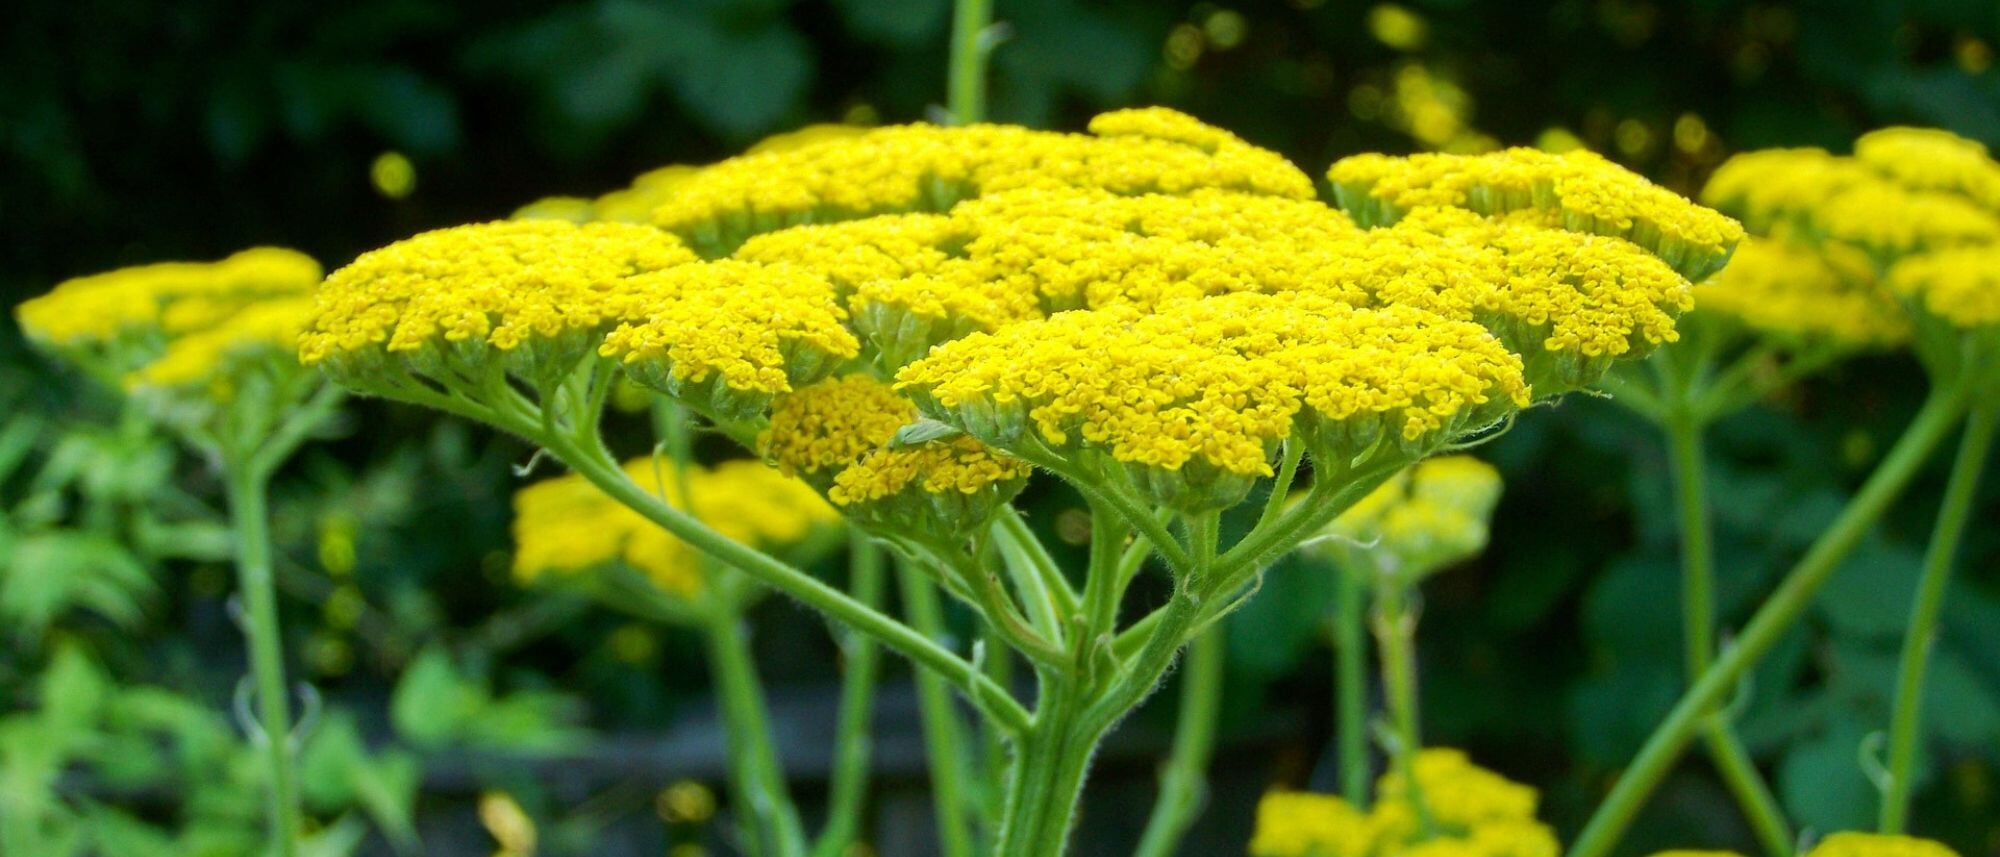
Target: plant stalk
pixel 1906 721
pixel 1351 685
pixel 1684 446
pixel 944 743
pixel 967 84
pixel 1184 780
pixel 1777 615
pixel 248 512
pixel 853 745
pixel 759 777
pixel 1396 639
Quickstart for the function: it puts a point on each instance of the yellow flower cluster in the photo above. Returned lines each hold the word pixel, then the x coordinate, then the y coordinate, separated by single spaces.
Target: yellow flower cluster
pixel 206 360
pixel 470 288
pixel 927 168
pixel 1962 286
pixel 1217 383
pixel 1581 190
pixel 1922 205
pixel 1157 294
pixel 1930 159
pixel 1851 845
pixel 1786 287
pixel 838 434
pixel 1424 519
pixel 727 334
pixel 169 297
pixel 1475 813
pixel 566 526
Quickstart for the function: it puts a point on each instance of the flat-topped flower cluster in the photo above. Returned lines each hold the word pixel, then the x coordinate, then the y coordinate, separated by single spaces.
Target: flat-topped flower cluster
pixel 1458 810
pixel 1157 298
pixel 1898 242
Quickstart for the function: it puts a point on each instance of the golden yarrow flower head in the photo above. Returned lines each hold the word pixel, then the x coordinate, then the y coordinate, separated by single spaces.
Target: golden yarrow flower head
pixel 565 526
pixel 1473 812
pixel 1581 192
pixel 1193 402
pixel 847 437
pixel 928 168
pixel 1879 845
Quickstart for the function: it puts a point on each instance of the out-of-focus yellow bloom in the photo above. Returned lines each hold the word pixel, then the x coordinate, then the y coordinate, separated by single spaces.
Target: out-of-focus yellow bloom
pixel 565 525
pixel 208 359
pixel 1962 286
pixel 572 209
pixel 508 824
pixel 1474 813
pixel 1690 852
pixel 1930 159
pixel 1397 27
pixel 1878 845
pixel 1303 824
pixel 1587 193
pixel 1789 288
pixel 171 296
pixel 1422 520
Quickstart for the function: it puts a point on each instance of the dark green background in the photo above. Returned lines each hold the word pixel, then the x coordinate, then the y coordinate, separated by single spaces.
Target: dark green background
pixel 135 132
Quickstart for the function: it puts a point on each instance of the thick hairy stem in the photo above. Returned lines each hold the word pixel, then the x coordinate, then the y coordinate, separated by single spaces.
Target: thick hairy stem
pixel 251 519
pixel 944 742
pixel 1906 723
pixel 1732 760
pixel 1050 763
pixel 757 776
pixel 590 459
pixel 1184 780
pixel 848 792
pixel 1790 600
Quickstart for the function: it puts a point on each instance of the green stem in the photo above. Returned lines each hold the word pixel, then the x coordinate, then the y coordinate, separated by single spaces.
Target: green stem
pixel 590 459
pixel 943 743
pixel 1051 761
pixel 247 511
pixel 1395 638
pixel 852 746
pixel 757 775
pixel 1906 723
pixel 1790 600
pixel 1039 581
pixel 1351 682
pixel 967 86
pixel 1733 762
pixel 1185 777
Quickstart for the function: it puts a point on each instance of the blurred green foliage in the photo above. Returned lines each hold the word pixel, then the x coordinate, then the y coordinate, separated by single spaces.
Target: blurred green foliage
pixel 135 131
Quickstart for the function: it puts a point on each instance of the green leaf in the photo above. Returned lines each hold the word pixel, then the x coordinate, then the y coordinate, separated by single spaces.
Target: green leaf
pixel 52 573
pixel 431 704
pixel 116 834
pixel 1870 595
pixel 1822 784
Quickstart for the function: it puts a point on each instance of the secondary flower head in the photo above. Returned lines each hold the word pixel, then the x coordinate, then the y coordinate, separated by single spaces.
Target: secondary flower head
pixel 1193 401
pixel 148 302
pixel 1474 813
pixel 1878 845
pixel 1421 521
pixel 1581 191
pixel 929 168
pixel 1788 288
pixel 841 435
pixel 1917 209
pixel 566 526
pixel 208 347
